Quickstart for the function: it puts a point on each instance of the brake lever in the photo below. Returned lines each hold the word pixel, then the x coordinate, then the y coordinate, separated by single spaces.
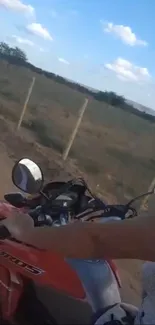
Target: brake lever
pixel 120 211
pixel 124 209
pixel 114 210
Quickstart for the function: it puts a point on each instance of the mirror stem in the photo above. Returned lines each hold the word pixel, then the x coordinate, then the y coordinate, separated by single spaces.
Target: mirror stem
pixel 44 195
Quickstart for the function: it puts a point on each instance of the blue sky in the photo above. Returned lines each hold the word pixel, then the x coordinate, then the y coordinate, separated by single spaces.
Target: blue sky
pixel 105 44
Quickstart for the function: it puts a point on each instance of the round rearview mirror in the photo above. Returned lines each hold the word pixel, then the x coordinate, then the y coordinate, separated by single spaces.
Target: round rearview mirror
pixel 27 176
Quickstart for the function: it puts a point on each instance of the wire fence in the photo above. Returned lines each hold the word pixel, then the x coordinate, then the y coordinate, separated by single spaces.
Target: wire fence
pixel 113 147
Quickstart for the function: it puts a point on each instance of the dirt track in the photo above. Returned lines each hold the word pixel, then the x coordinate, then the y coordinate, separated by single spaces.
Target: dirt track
pixel 62 306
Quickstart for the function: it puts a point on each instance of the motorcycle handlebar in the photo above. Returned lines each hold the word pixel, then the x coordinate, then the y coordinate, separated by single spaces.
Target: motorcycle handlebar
pixel 5 234
pixel 39 216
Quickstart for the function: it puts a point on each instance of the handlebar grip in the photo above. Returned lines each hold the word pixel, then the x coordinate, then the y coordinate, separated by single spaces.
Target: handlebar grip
pixel 108 219
pixel 4 233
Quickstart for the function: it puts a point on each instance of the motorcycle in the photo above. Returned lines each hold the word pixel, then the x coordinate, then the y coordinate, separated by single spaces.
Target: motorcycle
pixel 23 267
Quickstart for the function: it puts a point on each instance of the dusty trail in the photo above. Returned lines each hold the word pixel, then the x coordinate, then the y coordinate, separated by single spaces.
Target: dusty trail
pixel 5 172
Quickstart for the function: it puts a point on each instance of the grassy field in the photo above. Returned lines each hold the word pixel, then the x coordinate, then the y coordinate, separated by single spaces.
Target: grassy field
pixel 114 148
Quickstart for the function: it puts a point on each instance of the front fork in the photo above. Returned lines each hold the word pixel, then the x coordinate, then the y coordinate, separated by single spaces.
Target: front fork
pixel 99 282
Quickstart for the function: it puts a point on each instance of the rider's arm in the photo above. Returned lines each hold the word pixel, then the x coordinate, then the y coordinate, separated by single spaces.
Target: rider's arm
pixel 127 239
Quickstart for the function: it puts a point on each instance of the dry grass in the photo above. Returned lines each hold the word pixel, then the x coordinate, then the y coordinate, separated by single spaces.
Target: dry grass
pixel 116 149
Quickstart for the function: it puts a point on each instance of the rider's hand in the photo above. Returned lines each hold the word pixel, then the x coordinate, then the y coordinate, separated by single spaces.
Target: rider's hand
pixel 19 224
pixel 68 240
pixel 133 238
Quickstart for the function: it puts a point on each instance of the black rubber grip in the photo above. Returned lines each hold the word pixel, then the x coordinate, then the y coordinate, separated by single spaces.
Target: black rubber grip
pixel 4 233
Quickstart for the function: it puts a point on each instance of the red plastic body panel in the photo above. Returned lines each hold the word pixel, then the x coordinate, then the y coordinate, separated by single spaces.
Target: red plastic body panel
pixel 18 261
pixel 54 271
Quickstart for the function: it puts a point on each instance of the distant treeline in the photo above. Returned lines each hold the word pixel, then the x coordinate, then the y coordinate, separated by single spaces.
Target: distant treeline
pixel 16 56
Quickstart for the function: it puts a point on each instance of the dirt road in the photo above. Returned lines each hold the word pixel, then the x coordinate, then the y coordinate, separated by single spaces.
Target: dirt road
pixel 5 172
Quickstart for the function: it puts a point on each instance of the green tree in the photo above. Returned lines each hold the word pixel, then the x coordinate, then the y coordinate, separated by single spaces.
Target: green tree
pixel 5 49
pixel 14 53
pixel 19 54
pixel 110 97
pixel 116 100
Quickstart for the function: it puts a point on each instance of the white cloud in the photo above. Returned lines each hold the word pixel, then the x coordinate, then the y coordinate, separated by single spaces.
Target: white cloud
pixel 124 33
pixel 21 40
pixel 126 70
pixel 39 30
pixel 17 5
pixel 63 61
